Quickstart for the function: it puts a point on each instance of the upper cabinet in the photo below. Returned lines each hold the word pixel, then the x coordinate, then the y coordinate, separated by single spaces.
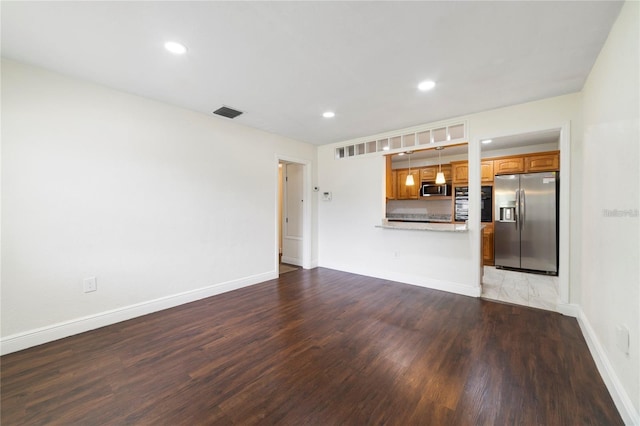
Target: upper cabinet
pixel 460 171
pixel 391 180
pixel 408 192
pixel 428 174
pixel 486 170
pixel 544 162
pixel 537 162
pixel 394 185
pixel 505 166
pixel 525 163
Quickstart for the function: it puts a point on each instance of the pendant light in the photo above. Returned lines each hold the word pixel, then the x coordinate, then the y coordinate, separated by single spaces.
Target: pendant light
pixel 409 181
pixel 440 180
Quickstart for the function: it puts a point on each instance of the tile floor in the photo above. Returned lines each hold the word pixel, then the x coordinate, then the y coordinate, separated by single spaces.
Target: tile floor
pixel 537 291
pixel 284 268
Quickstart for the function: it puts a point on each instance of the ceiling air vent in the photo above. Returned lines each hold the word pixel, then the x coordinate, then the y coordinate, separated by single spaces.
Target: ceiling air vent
pixel 227 112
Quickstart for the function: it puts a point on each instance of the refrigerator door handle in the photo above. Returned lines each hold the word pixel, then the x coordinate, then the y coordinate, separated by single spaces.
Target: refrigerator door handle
pixel 523 212
pixel 517 209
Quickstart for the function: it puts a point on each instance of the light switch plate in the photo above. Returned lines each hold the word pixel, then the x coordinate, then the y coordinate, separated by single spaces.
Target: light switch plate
pixel 90 284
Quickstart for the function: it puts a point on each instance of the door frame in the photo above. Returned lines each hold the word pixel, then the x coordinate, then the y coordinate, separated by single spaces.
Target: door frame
pixel 306 210
pixel 564 244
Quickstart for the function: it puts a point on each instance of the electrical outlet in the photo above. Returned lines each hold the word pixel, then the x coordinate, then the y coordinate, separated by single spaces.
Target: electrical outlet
pixel 90 284
pixel 622 338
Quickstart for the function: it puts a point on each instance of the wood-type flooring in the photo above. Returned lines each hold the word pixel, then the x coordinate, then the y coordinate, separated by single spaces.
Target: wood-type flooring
pixel 316 347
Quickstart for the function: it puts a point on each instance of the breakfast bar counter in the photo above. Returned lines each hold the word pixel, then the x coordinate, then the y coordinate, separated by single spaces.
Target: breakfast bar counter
pixel 421 226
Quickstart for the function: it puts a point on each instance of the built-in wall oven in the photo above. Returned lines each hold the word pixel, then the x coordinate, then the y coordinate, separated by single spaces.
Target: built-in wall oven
pixel 461 212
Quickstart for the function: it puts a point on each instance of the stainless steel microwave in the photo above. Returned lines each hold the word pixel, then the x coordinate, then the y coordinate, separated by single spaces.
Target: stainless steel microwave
pixel 433 190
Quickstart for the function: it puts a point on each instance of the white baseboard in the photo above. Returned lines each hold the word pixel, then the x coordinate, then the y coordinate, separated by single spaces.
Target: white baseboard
pixel 420 281
pixel 620 397
pixel 24 340
pixel 568 309
pixel 313 264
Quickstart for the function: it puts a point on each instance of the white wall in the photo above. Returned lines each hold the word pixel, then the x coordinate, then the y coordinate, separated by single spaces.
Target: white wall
pixel 349 241
pixel 610 284
pixel 159 203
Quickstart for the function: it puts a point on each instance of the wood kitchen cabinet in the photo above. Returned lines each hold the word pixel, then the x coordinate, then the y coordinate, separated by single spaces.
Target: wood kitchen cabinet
pixel 487 245
pixel 392 185
pixel 506 166
pixel 391 180
pixel 460 171
pixel 408 192
pixel 446 169
pixel 486 171
pixel 528 163
pixel 428 174
pixel 543 162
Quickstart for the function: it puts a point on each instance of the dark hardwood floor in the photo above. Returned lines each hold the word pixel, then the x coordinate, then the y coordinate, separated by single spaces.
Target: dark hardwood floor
pixel 316 347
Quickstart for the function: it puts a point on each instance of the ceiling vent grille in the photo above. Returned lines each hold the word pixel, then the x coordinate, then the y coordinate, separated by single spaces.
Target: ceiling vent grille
pixel 227 112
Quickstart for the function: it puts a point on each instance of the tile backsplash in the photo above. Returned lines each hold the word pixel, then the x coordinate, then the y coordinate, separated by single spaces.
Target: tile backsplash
pixel 431 207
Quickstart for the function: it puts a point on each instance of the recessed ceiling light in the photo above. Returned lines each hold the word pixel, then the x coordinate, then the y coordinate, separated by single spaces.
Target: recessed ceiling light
pixel 329 114
pixel 401 153
pixel 426 85
pixel 487 141
pixel 175 48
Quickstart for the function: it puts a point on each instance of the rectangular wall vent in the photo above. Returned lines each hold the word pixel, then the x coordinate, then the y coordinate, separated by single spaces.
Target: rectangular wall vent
pixel 227 112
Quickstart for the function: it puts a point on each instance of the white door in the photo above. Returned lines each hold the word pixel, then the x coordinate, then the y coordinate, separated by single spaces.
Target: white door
pixel 292 216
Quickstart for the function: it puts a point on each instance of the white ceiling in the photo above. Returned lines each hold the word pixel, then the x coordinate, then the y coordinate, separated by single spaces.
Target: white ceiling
pixel 284 63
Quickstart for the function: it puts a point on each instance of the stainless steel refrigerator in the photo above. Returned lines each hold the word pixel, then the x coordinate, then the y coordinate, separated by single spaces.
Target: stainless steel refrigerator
pixel 526 222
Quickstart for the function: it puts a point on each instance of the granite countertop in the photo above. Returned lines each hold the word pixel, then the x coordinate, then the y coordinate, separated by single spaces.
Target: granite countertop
pixel 420 226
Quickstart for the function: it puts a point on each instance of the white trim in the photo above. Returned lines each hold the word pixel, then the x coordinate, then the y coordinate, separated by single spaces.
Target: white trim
pixel 564 246
pixel 620 397
pixel 27 339
pixel 407 130
pixel 568 309
pixel 417 280
pixel 474 158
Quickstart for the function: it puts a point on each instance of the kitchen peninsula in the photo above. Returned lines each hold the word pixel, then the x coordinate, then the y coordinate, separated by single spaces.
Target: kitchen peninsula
pixel 423 226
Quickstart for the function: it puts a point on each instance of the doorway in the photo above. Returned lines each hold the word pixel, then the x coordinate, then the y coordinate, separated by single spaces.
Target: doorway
pixel 517 286
pixel 293 215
